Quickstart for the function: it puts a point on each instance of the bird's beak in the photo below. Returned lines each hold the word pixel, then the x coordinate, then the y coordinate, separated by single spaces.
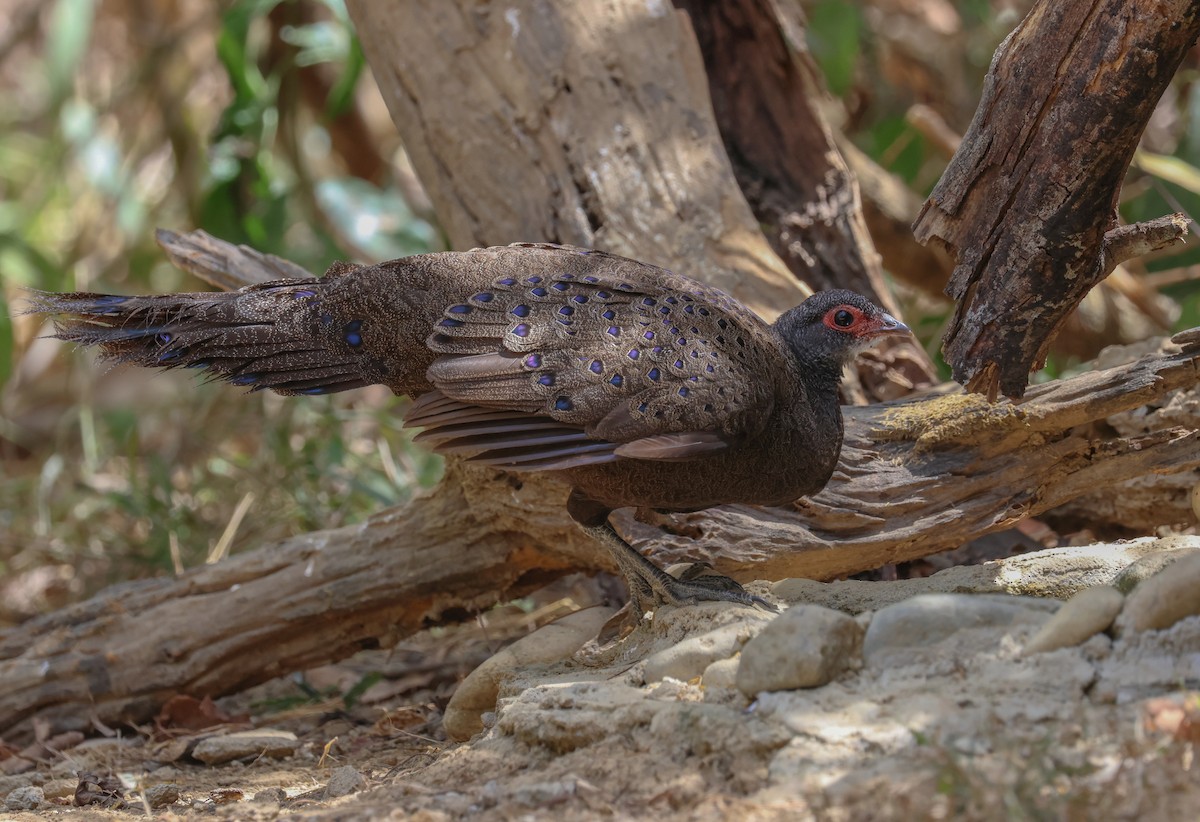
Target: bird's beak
pixel 887 326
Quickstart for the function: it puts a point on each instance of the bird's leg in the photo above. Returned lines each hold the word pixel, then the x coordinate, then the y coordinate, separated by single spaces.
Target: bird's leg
pixel 649 585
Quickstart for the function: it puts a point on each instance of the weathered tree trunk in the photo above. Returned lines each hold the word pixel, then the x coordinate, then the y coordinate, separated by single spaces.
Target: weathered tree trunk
pixel 767 94
pixel 1028 205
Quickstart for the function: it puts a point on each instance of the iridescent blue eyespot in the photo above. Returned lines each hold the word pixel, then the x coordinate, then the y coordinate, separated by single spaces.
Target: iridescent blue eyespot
pixel 521 311
pixel 609 314
pixel 446 323
pixel 596 367
pixel 688 309
pixel 590 279
pixel 672 300
pixel 563 404
pixel 654 374
pixel 642 408
pixel 604 295
pixel 355 340
pixel 649 335
pixel 521 330
pixel 634 353
pixel 656 349
pixel 459 309
pixel 484 297
pixel 326 319
pixel 538 292
pixel 566 311
pixel 722 323
pixel 162 339
pixel 613 330
pixel 708 368
pixel 616 380
pixel 683 392
pixel 533 361
pixel 649 301
pixel 560 286
pixel 703 312
pixel 506 281
pixel 533 280
pixel 300 295
pixel 664 310
pixel 546 379
pixel 579 298
pixel 679 363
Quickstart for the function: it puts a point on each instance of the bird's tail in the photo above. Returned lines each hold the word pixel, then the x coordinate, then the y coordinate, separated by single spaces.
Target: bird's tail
pixel 291 336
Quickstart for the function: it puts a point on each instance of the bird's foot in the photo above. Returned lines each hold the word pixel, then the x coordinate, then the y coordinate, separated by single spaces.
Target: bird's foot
pixel 650 587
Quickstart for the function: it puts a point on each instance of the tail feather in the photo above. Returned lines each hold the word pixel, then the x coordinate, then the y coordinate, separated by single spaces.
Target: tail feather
pixel 280 336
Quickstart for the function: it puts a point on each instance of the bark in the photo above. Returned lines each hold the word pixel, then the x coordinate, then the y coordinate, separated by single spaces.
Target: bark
pixel 585 123
pixel 917 477
pixel 1028 205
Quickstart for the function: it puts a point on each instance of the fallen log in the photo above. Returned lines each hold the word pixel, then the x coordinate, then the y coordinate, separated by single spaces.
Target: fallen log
pixel 917 476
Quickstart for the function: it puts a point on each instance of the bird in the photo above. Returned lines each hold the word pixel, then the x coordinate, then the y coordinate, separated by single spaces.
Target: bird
pixel 634 385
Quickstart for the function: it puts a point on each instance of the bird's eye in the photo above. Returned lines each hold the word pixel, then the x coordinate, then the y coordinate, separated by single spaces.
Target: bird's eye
pixel 843 318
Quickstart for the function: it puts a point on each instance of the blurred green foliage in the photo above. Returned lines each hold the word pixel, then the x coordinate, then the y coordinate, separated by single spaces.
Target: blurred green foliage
pixel 118 125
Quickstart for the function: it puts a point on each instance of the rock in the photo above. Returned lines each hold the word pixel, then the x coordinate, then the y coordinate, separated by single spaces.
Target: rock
pixel 721 674
pixel 1081 617
pixel 1147 566
pixel 25 798
pixel 930 618
pixel 343 782
pixel 690 658
pixel 477 693
pixel 60 788
pixel 266 795
pixel 159 796
pixel 216 750
pixel 1165 598
pixel 805 647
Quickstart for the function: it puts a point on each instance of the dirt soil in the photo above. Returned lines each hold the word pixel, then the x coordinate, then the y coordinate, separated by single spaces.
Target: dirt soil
pixel 962 728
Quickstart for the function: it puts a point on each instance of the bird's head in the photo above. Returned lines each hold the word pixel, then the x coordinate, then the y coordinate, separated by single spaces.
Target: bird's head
pixel 831 327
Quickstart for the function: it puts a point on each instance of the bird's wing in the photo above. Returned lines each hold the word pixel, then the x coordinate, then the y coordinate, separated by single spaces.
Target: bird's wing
pixel 594 363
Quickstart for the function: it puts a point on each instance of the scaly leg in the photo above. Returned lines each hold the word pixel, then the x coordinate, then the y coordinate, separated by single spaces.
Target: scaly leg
pixel 649 585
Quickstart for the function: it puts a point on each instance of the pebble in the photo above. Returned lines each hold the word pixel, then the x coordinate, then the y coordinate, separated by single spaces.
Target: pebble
pixel 721 674
pixel 60 788
pixel 1164 599
pixel 1082 616
pixel 689 659
pixel 276 795
pixel 343 782
pixel 477 694
pixel 25 798
pixel 930 618
pixel 216 750
pixel 805 647
pixel 159 796
pixel 1147 566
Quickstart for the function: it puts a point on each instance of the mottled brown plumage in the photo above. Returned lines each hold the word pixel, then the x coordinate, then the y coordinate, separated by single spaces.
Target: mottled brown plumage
pixel 635 385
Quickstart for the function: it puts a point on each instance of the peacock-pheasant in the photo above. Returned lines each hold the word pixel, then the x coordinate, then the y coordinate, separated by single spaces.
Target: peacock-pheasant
pixel 634 385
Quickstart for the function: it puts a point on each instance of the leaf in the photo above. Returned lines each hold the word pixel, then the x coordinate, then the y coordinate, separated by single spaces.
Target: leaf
pixel 1170 169
pixel 70 29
